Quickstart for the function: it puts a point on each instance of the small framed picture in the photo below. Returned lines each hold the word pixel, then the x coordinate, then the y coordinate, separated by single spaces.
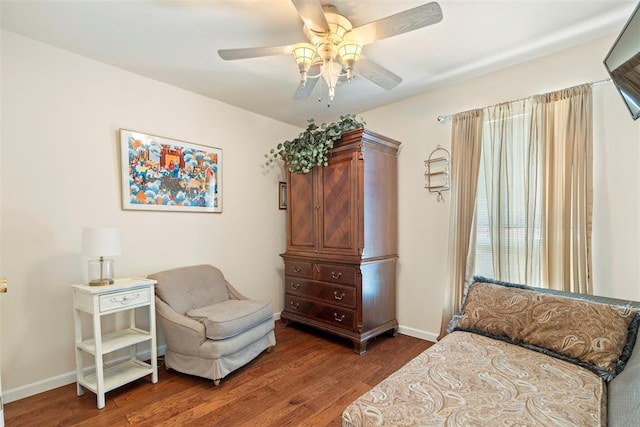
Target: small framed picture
pixel 282 195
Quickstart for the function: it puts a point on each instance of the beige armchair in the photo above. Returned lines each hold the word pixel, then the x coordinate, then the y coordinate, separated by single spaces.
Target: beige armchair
pixel 210 328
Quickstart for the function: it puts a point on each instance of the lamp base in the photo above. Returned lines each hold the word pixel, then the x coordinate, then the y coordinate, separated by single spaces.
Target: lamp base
pixel 101 282
pixel 101 272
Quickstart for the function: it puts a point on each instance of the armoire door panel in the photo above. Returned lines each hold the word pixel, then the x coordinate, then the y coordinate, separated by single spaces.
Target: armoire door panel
pixel 339 228
pixel 302 212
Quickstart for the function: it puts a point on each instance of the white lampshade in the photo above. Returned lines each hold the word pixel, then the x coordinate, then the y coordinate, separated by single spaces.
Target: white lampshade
pixel 349 52
pixel 100 242
pixel 303 54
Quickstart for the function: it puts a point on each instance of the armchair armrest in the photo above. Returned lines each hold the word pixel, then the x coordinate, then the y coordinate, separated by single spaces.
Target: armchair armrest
pixel 180 331
pixel 233 293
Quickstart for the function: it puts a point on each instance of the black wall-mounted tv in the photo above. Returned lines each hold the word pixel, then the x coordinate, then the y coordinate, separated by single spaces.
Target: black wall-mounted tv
pixel 623 63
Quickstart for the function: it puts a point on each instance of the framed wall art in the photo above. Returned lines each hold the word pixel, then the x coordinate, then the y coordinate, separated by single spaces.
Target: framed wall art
pixel 165 174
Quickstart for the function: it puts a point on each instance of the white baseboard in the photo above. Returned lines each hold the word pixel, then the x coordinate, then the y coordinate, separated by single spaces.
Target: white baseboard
pixel 38 387
pixel 64 379
pixel 70 377
pixel 418 333
pixel 405 330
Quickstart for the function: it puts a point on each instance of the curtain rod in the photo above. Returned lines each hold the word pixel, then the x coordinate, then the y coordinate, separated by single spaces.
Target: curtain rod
pixel 444 119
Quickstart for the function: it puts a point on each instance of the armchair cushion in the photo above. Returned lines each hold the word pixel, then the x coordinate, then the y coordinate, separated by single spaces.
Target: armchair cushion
pixel 232 317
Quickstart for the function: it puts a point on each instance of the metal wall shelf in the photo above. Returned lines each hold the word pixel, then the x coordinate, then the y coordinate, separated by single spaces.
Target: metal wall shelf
pixel 438 173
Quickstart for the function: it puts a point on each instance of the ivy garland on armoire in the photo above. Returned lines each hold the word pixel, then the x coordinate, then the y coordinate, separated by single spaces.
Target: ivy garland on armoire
pixel 313 146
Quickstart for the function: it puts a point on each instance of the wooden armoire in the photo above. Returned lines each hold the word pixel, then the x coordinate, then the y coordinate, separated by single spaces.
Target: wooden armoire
pixel 342 241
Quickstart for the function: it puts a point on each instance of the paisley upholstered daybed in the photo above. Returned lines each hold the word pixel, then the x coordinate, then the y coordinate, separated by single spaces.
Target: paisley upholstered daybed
pixel 518 356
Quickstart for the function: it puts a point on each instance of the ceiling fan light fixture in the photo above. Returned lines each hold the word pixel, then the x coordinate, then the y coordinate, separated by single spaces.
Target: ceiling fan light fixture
pixel 330 75
pixel 338 26
pixel 349 52
pixel 303 54
pixel 334 46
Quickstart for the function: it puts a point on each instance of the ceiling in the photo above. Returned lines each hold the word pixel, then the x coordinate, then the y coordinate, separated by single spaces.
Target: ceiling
pixel 177 42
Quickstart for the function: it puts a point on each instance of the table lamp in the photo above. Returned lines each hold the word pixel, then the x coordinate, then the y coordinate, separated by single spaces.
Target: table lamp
pixel 100 242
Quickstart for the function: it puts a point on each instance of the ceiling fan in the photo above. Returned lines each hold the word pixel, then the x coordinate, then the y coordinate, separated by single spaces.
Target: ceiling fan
pixel 334 48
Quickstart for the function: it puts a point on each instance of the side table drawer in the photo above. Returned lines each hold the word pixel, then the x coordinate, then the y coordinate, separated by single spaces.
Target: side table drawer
pixel 125 299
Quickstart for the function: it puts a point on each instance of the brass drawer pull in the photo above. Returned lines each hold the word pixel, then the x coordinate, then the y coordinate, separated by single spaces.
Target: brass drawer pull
pixel 338 319
pixel 295 305
pixel 297 269
pixel 295 286
pixel 338 296
pixel 336 275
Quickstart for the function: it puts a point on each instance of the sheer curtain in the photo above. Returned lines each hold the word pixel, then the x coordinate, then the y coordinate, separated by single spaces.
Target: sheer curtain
pixel 521 194
pixel 509 204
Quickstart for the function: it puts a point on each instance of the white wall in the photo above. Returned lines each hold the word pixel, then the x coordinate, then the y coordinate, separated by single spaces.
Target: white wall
pixel 60 171
pixel 424 223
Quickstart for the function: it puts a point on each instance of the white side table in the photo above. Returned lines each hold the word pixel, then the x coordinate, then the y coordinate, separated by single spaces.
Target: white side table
pixel 124 295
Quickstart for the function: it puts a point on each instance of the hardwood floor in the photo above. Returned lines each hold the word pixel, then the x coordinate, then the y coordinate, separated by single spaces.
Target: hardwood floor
pixel 307 379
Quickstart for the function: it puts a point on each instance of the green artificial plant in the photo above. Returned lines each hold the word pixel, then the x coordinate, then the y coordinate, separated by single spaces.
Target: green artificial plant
pixel 313 146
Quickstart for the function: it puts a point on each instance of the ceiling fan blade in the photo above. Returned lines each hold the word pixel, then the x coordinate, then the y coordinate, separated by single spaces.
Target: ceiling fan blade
pixel 305 90
pixel 312 15
pixel 409 20
pixel 254 52
pixel 377 73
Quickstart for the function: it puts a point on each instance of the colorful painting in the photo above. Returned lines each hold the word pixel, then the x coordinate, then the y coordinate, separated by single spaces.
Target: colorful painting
pixel 169 175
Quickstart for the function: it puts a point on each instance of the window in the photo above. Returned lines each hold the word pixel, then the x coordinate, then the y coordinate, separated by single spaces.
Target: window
pixel 508 215
pixel 521 198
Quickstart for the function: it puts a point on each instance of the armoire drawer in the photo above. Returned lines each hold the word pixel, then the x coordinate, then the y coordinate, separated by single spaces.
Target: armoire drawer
pixel 334 273
pixel 297 268
pixel 332 294
pixel 337 316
